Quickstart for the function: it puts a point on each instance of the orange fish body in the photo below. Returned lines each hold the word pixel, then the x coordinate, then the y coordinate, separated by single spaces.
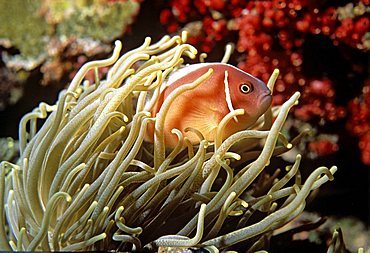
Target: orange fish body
pixel 205 106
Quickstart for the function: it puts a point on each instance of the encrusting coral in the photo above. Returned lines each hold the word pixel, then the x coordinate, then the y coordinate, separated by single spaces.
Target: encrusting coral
pixel 86 180
pixel 62 31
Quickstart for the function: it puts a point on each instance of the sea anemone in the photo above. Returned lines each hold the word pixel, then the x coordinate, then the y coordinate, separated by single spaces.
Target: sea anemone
pixel 87 180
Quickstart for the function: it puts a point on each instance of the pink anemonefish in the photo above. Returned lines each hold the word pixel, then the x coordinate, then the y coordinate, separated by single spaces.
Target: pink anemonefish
pixel 205 106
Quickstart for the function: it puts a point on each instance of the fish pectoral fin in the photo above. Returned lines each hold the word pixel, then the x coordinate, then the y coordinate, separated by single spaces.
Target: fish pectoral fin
pixel 204 120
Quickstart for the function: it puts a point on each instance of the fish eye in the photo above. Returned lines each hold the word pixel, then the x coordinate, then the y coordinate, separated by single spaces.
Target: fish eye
pixel 246 87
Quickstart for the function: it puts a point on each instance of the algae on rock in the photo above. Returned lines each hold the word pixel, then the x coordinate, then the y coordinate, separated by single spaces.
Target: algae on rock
pixel 36 28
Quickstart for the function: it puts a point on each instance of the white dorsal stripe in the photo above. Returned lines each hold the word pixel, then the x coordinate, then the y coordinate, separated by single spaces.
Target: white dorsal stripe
pixel 187 69
pixel 228 97
pixel 181 72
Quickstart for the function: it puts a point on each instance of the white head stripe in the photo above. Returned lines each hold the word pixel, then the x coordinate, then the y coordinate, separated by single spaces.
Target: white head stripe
pixel 228 97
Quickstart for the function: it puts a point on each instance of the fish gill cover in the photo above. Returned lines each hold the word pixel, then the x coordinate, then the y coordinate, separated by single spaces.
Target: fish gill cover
pixel 87 180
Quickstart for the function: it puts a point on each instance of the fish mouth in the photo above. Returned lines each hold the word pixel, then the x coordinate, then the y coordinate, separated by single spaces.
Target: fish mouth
pixel 265 100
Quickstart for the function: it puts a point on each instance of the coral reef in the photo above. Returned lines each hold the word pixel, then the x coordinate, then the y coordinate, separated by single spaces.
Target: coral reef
pixel 18 19
pixel 52 32
pixel 359 121
pixel 275 33
pixel 86 180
